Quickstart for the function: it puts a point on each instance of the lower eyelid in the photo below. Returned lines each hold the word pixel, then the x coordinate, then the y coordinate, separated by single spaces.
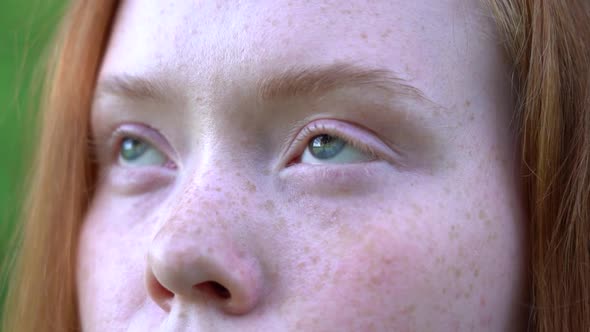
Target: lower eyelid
pixel 330 179
pixel 133 181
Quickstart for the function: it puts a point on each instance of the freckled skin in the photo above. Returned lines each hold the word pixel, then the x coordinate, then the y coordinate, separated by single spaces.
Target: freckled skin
pixel 438 247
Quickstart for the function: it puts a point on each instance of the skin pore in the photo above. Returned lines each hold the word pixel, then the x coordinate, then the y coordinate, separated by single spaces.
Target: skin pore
pixel 211 213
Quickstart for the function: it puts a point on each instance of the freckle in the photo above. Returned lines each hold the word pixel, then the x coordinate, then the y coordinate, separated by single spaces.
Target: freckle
pixel 452 164
pixel 444 290
pixel 467 103
pixel 364 36
pixel 318 286
pixel 269 206
pixel 281 222
pixel 417 209
pixel 251 186
pixel 461 252
pixel 315 259
pixel 471 117
pixel 409 309
pixel 386 34
pixel 301 266
pixel 482 301
pixel 453 233
pixel 482 215
pixel 476 273
pixel 375 281
pixel 387 260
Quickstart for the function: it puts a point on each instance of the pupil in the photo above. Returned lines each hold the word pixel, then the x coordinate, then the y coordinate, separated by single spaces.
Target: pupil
pixel 326 146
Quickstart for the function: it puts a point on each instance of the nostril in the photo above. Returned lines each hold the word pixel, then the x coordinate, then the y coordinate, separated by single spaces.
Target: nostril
pixel 158 292
pixel 214 288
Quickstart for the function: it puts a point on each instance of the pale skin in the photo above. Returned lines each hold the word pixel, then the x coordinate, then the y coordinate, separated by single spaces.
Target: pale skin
pixel 228 224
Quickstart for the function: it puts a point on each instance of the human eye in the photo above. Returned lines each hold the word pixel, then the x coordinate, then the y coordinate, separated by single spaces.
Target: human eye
pixel 332 143
pixel 136 152
pixel 137 146
pixel 135 158
pixel 328 156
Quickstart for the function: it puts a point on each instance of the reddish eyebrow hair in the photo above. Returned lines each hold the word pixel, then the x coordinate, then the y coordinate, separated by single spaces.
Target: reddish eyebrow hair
pixel 133 87
pixel 317 80
pixel 294 82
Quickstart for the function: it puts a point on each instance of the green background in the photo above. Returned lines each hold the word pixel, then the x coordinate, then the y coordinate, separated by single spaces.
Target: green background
pixel 26 28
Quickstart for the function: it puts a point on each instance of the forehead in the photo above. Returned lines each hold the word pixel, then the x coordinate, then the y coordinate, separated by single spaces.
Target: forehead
pixel 206 43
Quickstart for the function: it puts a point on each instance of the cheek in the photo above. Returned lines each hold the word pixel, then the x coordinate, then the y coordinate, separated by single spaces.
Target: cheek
pixel 369 285
pixel 111 263
pixel 417 262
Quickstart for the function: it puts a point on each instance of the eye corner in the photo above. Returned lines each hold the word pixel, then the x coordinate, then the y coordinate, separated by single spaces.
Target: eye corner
pixel 293 162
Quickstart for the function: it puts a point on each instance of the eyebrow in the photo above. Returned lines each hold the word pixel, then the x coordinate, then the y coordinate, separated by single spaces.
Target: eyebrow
pixel 294 82
pixel 318 80
pixel 133 87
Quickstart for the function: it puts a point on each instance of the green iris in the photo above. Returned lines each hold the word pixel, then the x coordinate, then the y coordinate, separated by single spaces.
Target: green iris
pixel 137 152
pixel 132 149
pixel 326 146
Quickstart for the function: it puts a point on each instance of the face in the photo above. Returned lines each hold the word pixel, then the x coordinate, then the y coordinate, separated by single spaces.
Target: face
pixel 303 166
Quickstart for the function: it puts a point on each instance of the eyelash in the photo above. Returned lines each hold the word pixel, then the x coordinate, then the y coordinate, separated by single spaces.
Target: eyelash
pixel 326 127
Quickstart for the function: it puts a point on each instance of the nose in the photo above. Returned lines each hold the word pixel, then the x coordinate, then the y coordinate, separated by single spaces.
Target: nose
pixel 199 261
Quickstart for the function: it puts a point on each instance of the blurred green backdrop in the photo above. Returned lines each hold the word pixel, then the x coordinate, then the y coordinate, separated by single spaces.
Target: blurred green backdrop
pixel 26 27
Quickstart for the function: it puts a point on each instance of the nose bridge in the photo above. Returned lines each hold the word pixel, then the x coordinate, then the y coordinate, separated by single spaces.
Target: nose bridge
pixel 196 255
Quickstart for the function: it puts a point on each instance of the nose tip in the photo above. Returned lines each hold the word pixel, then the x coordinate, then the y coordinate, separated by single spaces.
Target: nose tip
pixel 221 277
